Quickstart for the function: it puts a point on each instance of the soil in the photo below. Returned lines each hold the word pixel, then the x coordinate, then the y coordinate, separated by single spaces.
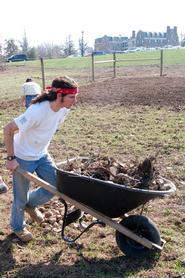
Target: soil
pixel 137 90
pixel 150 91
pixel 165 91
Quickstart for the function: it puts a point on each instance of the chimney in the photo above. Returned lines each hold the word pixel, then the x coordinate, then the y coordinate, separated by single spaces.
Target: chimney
pixel 133 34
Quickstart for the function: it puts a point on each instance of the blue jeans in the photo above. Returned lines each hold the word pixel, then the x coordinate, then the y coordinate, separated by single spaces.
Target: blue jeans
pixel 29 99
pixel 45 169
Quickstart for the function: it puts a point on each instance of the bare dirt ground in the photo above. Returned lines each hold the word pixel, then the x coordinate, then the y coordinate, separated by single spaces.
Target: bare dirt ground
pixel 133 91
pixel 151 91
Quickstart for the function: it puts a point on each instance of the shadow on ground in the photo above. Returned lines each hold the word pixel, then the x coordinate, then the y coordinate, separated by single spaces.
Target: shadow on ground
pixel 7 262
pixel 116 267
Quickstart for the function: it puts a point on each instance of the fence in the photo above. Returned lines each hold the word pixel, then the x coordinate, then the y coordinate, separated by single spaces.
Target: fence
pixel 43 74
pixel 115 61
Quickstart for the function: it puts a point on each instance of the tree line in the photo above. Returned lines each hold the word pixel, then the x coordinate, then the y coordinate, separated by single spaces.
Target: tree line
pixel 46 50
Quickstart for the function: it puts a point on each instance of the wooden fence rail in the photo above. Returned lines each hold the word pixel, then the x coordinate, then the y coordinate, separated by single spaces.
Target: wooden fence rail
pixel 115 61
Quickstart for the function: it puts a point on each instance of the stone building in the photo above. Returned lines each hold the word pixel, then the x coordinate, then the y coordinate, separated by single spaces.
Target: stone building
pixel 156 39
pixel 141 39
pixel 110 44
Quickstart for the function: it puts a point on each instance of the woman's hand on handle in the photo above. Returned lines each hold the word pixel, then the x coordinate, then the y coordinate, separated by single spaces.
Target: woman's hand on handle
pixel 12 165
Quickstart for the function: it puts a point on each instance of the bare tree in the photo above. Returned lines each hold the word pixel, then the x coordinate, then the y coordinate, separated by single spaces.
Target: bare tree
pixel 1 52
pixel 182 40
pixel 11 47
pixel 24 44
pixel 2 64
pixel 32 53
pixel 49 51
pixel 82 45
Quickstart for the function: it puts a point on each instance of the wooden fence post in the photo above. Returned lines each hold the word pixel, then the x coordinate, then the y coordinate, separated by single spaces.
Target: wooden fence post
pixel 161 63
pixel 114 63
pixel 43 75
pixel 92 66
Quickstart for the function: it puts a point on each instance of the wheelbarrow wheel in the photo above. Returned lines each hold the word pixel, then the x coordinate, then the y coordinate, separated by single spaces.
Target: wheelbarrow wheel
pixel 142 226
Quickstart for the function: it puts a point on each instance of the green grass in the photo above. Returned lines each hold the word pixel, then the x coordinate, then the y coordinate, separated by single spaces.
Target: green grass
pixel 171 56
pixel 126 130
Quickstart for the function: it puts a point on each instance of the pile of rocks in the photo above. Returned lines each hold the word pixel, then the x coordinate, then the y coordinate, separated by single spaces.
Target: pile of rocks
pixel 53 212
pixel 135 174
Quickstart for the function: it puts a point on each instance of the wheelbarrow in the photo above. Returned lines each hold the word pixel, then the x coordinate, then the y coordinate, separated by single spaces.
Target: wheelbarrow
pixel 109 203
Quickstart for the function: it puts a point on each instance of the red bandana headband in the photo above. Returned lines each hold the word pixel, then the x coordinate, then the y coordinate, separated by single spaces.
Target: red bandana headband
pixel 63 90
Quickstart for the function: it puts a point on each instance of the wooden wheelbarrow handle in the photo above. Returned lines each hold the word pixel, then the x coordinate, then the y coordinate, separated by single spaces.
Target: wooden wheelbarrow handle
pixel 40 182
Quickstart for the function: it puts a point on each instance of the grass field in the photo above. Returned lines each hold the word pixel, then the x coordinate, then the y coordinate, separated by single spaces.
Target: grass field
pixel 109 125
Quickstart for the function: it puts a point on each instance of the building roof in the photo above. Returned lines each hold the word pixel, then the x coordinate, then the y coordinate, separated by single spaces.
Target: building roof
pixel 153 34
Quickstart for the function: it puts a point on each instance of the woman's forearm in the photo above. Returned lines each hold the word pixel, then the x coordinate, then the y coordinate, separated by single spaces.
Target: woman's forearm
pixel 9 131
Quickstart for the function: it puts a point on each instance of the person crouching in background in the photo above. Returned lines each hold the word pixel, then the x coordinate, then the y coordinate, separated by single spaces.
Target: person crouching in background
pixel 30 90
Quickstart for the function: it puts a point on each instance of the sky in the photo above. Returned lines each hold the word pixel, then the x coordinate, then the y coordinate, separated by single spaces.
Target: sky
pixel 53 21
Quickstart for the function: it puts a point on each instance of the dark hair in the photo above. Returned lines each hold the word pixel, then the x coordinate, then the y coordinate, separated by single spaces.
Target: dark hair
pixel 64 82
pixel 59 82
pixel 28 80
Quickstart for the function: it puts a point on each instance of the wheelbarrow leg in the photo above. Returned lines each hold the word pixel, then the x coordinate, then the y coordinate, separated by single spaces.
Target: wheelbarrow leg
pixel 72 217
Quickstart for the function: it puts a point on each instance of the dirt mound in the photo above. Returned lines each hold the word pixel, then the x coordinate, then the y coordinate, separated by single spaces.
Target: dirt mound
pixel 150 91
pixel 147 91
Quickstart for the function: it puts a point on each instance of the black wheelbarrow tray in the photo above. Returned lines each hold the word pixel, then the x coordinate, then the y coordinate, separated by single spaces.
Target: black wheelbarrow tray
pixel 106 202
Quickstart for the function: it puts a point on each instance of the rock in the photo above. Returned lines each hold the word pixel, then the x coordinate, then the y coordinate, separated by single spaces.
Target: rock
pixel 52 220
pixel 58 217
pixel 42 209
pixel 48 214
pixel 47 229
pixel 55 225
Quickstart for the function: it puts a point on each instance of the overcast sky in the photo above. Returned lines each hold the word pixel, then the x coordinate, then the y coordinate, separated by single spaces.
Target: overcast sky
pixel 52 21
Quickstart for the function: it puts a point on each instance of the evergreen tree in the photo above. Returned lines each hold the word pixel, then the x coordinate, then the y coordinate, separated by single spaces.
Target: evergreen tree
pixel 68 48
pixel 10 47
